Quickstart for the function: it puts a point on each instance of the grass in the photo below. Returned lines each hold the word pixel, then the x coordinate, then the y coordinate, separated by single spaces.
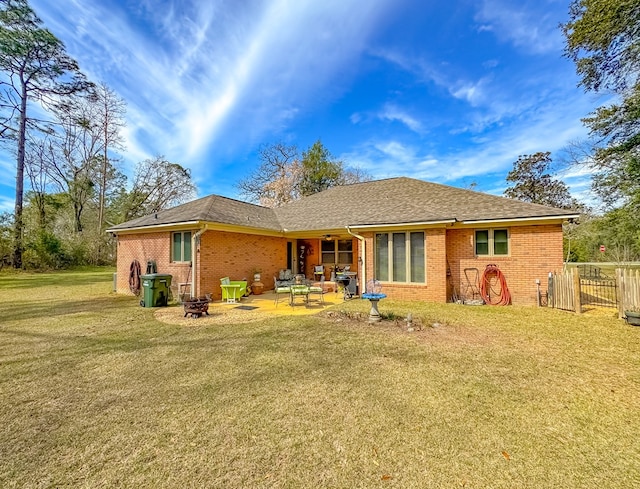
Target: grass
pixel 95 392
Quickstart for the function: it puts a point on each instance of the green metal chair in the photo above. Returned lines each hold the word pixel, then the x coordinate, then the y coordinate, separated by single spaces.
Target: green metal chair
pixel 318 290
pixel 280 287
pixel 301 291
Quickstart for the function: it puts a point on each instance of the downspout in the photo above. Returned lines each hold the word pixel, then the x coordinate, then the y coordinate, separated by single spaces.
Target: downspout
pixel 363 257
pixel 195 242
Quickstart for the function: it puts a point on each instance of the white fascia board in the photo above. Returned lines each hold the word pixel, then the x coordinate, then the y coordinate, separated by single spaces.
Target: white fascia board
pixel 522 219
pixel 156 227
pixel 401 224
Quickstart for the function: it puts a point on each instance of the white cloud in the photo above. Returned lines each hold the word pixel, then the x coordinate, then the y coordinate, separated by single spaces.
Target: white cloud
pixel 390 158
pixel 527 24
pixel 472 92
pixel 211 68
pixel 578 179
pixel 547 128
pixel 421 67
pixel 391 112
pixel 494 97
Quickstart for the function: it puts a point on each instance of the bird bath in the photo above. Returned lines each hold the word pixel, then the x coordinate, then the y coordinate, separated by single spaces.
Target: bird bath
pixel 374 293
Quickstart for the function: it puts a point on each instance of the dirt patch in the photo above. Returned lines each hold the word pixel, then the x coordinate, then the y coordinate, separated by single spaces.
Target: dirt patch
pixel 217 315
pixel 433 332
pixel 393 325
pixel 224 314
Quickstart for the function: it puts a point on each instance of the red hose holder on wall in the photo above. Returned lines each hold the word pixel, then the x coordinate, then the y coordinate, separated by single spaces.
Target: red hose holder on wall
pixel 491 278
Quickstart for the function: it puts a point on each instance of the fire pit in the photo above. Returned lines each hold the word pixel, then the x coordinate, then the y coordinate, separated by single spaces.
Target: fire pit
pixel 197 307
pixel 374 293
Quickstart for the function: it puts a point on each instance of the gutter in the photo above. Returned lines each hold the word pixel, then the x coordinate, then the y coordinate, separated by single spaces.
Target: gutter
pixel 401 224
pixel 566 217
pixel 363 275
pixel 195 240
pixel 152 227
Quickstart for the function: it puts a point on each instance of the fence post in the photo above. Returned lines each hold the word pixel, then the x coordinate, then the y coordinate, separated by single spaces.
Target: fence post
pixel 550 296
pixel 620 291
pixel 576 291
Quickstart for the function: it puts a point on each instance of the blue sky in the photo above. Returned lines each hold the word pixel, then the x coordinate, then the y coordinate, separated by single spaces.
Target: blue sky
pixel 451 92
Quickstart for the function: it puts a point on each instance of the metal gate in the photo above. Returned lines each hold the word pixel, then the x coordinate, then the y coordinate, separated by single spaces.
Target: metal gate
pixel 596 287
pixel 602 292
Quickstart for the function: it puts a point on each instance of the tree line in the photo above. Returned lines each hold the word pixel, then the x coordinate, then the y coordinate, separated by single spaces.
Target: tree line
pixel 65 133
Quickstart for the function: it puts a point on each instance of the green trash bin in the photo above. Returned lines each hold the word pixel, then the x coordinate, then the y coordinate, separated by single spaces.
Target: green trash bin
pixel 155 287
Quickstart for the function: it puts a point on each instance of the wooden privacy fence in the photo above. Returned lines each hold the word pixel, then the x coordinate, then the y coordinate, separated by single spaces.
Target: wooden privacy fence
pixel 628 290
pixel 562 291
pixel 569 292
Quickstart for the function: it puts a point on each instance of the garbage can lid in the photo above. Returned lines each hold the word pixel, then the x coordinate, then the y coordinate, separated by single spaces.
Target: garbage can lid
pixel 153 276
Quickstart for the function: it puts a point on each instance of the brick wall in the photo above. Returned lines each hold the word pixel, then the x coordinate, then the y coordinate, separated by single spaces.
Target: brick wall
pixel 534 251
pixel 235 255
pixel 145 247
pixel 221 254
pixel 435 289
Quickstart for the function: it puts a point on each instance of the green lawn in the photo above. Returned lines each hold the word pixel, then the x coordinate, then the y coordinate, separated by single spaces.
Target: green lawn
pixel 94 392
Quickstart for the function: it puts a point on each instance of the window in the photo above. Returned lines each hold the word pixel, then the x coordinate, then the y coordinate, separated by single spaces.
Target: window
pixel 417 257
pixel 328 252
pixel 482 242
pixel 181 246
pixel 400 257
pixel 345 251
pixel 492 242
pixel 337 251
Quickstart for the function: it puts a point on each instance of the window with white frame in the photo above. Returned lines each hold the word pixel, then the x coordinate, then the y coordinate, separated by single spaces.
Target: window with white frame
pixel 400 257
pixel 338 251
pixel 181 246
pixel 492 242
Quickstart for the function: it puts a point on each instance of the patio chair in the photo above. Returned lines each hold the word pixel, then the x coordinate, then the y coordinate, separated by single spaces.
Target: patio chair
pixel 232 290
pixel 280 287
pixel 285 274
pixel 318 290
pixel 318 271
pixel 301 291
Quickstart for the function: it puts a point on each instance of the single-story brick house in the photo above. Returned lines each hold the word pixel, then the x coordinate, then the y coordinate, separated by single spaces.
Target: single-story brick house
pixel 415 237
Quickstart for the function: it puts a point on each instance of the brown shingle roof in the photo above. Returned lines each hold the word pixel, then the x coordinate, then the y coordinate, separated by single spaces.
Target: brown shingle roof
pixel 215 209
pixel 402 200
pixel 390 201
